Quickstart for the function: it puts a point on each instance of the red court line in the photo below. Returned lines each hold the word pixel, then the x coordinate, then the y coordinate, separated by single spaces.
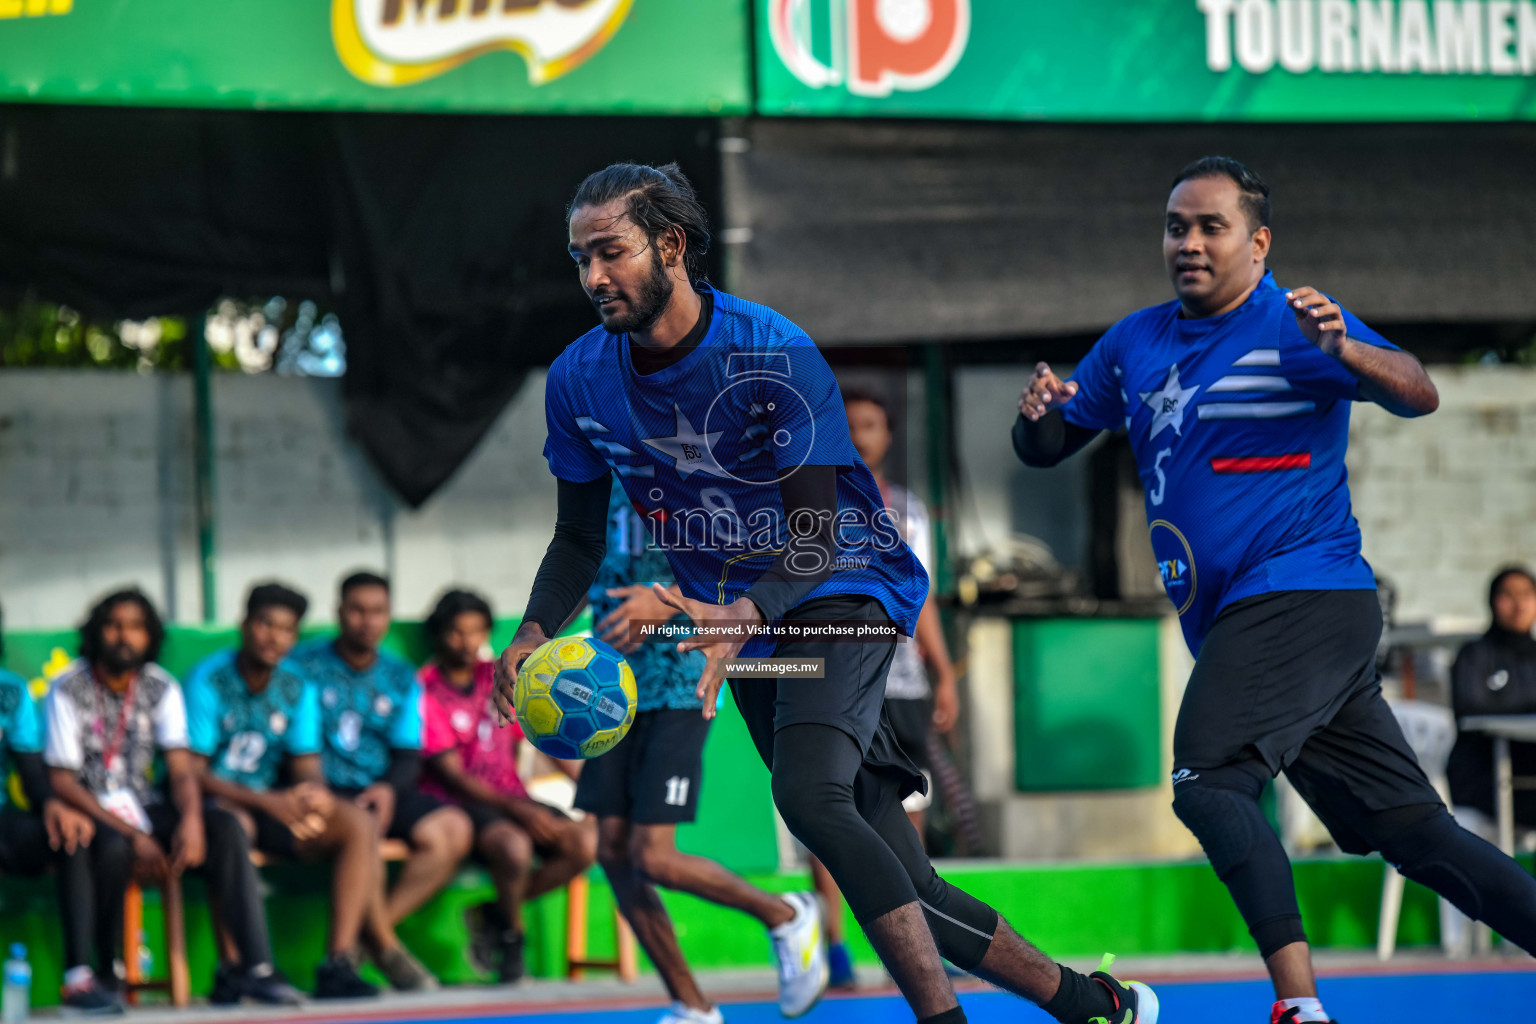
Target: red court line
pixel 1263 463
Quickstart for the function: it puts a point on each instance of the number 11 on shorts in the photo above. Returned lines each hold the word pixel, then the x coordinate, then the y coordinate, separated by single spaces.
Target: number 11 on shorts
pixel 677 791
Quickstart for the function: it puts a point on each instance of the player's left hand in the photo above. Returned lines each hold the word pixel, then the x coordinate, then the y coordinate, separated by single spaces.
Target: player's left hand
pixel 640 605
pixel 738 617
pixel 67 828
pixel 1319 317
pixel 189 845
pixel 946 704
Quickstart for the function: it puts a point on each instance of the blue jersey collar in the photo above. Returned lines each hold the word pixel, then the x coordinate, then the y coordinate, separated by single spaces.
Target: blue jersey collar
pixel 671 373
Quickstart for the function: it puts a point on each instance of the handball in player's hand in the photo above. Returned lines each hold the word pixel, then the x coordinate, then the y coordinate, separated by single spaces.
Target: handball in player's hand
pixel 1044 390
pixel 530 636
pixel 575 697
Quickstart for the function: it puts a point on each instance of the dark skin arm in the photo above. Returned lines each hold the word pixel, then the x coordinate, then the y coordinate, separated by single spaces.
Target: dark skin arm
pixel 147 854
pixel 1394 380
pixel 189 843
pixel 538 822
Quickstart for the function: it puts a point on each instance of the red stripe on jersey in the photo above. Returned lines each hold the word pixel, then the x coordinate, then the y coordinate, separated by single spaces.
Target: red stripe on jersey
pixel 1263 463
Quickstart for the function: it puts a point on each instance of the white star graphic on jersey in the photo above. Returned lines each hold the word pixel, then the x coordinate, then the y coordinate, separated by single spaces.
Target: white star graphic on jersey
pixel 1168 405
pixel 691 451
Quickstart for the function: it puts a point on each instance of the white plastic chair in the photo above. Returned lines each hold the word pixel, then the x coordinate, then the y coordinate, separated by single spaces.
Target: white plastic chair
pixel 1430 730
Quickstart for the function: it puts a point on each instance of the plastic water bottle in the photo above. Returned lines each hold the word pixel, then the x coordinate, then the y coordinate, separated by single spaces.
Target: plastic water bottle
pixel 146 957
pixel 18 986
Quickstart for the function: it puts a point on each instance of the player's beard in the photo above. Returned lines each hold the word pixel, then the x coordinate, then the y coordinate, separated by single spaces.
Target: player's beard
pixel 646 307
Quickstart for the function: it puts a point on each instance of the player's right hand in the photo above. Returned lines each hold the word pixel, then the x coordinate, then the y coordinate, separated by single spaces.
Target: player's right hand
pixel 1044 389
pixel 530 635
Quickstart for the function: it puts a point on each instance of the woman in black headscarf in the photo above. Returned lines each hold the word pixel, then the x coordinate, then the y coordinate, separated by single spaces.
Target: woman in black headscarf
pixel 1496 675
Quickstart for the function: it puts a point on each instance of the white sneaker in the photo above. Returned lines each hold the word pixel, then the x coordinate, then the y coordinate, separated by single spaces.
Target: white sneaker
pixel 801 948
pixel 684 1014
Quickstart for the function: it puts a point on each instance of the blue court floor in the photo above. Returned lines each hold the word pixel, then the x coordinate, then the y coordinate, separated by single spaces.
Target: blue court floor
pixel 1438 995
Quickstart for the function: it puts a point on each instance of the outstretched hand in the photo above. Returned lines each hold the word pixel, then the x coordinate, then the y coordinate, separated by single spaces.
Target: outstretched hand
pixel 738 618
pixel 1043 390
pixel 1319 317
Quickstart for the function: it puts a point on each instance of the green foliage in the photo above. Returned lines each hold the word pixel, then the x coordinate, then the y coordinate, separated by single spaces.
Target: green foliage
pixel 38 333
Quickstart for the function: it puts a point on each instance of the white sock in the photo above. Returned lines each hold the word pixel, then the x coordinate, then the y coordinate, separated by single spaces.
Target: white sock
pixel 1311 1009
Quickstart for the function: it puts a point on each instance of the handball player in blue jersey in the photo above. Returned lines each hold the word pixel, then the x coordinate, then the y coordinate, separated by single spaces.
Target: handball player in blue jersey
pixel 1236 397
pixel 727 431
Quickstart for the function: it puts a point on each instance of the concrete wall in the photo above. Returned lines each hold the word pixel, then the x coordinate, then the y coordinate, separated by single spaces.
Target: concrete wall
pixel 1442 500
pixel 1445 499
pixel 96 491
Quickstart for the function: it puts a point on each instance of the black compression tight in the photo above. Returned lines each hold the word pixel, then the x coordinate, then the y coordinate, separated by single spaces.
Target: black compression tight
pixel 851 818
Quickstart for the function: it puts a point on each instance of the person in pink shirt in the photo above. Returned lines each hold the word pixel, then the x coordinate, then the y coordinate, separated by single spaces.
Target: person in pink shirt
pixel 472 763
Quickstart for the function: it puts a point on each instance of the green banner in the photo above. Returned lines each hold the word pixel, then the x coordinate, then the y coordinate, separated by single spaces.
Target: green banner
pixel 1150 60
pixel 548 56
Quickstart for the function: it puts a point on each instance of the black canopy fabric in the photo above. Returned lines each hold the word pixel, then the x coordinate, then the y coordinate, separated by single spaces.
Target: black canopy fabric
pixel 440 241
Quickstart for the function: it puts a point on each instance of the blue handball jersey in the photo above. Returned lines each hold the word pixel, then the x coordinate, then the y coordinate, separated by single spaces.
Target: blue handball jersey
pixel 21 726
pixel 700 445
pixel 246 735
pixel 363 715
pixel 1239 425
pixel 665 677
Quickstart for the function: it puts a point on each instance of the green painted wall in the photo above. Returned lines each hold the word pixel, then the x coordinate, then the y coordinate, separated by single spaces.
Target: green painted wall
pixel 1087 709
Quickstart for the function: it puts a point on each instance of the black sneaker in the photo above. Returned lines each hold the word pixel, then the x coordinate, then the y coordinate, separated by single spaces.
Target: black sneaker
pixel 1135 1003
pixel 405 972
pixel 92 1000
pixel 264 984
pixel 337 978
pixel 512 967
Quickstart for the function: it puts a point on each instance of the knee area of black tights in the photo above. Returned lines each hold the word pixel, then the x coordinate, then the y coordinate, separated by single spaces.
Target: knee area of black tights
pixel 963 927
pixel 1222 819
pixel 1423 849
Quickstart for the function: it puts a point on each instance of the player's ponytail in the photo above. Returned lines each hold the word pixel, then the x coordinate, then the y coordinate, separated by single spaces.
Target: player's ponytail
pixel 656 198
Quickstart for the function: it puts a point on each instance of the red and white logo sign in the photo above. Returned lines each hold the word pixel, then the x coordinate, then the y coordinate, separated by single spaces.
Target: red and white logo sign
pixel 874 47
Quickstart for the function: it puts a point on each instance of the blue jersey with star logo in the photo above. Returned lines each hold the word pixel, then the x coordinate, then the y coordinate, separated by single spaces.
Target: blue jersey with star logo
pixel 21 725
pixel 245 736
pixel 364 715
pixel 1239 425
pixel 700 445
pixel 665 677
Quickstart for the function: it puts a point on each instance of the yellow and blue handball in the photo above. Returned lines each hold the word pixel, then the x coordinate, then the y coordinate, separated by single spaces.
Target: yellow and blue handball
pixel 575 697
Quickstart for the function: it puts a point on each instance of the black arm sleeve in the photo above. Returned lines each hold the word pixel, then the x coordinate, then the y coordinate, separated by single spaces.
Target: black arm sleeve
pixel 810 509
pixel 34 778
pixel 1048 440
pixel 404 768
pixel 574 556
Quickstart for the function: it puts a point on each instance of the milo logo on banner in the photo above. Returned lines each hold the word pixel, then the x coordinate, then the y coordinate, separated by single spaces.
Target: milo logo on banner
pixel 398 42
pixel 871 47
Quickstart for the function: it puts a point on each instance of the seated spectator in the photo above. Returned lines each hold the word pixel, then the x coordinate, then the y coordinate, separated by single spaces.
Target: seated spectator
pixel 108 715
pixel 1496 675
pixel 251 715
pixel 370 720
pixel 30 839
pixel 474 764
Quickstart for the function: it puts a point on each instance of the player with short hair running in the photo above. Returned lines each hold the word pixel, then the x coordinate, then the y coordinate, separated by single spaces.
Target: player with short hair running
pixel 727 430
pixel 1236 397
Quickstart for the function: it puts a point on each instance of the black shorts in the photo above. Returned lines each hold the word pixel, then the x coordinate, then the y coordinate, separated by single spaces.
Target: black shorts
pixel 653 776
pixel 1289 679
pixel 273 837
pixel 911 720
pixel 483 816
pixel 850 695
pixel 24 848
pixel 411 805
